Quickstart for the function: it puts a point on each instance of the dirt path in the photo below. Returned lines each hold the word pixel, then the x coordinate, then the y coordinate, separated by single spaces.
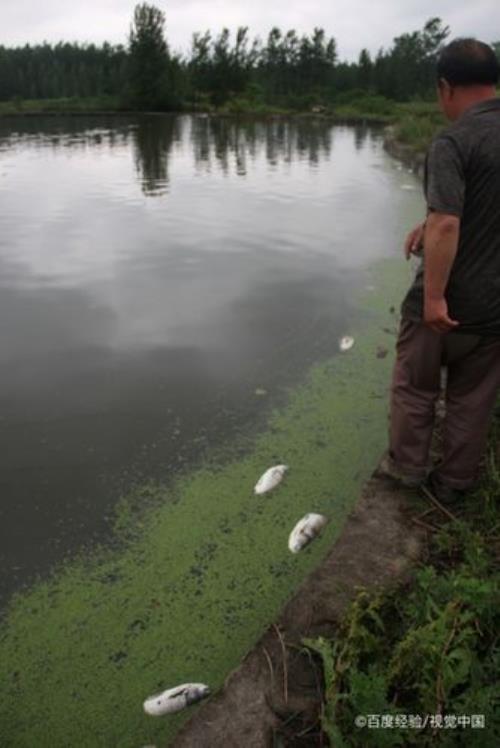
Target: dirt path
pixel 275 694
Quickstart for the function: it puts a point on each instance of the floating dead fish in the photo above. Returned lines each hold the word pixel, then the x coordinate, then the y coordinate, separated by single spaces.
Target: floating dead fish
pixel 308 528
pixel 270 479
pixel 407 187
pixel 346 343
pixel 175 699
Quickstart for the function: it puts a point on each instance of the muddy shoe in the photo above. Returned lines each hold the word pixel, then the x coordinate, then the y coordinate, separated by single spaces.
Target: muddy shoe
pixel 442 492
pixel 387 469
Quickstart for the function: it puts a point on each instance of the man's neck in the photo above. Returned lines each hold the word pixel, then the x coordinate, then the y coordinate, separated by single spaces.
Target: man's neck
pixel 470 96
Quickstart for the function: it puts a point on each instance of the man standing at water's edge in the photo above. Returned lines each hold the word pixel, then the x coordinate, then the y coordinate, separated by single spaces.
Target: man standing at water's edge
pixel 451 314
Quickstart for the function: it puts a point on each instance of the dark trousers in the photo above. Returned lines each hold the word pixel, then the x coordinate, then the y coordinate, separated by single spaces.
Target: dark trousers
pixel 473 379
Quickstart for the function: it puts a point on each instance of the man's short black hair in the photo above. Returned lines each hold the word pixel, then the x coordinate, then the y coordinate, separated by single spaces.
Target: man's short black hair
pixel 468 62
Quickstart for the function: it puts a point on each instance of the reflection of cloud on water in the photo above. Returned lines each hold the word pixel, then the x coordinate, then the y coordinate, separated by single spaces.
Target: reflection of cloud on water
pixel 191 304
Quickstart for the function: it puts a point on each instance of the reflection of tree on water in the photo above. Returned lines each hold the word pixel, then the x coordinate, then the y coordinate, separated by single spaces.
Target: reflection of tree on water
pixel 313 139
pixel 361 133
pixel 221 139
pixel 153 139
pixel 76 133
pixel 229 143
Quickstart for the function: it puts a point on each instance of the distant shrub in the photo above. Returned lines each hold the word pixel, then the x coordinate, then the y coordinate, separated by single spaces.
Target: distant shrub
pixel 363 103
pixel 243 105
pixel 418 123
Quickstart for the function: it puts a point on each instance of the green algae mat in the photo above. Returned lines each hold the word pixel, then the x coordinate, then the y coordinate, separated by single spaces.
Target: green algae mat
pixel 191 583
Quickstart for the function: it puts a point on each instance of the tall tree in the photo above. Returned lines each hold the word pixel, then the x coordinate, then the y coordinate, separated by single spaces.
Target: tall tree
pixel 200 63
pixel 148 59
pixel 365 69
pixel 407 69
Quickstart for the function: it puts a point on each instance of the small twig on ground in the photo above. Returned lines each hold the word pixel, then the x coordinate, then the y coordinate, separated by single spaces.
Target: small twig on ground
pixel 269 662
pixel 419 522
pixel 285 668
pixel 440 696
pixel 439 506
pixel 307 730
pixel 427 511
pixel 290 719
pixel 307 652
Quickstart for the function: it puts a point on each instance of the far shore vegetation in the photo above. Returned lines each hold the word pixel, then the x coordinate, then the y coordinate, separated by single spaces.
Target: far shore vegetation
pixel 231 74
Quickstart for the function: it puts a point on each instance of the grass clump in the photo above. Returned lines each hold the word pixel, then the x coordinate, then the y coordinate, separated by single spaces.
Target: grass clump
pixel 359 104
pixel 417 123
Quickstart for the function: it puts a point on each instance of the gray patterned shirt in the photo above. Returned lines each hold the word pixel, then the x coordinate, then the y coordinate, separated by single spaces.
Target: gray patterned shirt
pixel 462 178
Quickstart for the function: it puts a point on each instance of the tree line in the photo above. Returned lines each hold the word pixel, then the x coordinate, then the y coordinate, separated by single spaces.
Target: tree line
pixel 286 69
pixel 51 71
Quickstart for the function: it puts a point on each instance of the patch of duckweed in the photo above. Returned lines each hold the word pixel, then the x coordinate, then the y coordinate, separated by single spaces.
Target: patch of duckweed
pixel 194 580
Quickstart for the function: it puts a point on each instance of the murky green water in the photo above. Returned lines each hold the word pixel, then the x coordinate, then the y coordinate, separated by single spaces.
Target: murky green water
pixel 173 291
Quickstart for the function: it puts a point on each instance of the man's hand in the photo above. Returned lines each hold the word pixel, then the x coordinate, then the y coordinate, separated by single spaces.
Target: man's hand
pixel 436 316
pixel 414 240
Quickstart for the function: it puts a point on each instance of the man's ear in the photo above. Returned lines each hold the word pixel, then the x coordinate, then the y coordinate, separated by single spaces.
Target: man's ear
pixel 445 87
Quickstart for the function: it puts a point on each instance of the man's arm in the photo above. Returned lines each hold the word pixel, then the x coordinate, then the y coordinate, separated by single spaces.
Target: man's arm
pixel 442 232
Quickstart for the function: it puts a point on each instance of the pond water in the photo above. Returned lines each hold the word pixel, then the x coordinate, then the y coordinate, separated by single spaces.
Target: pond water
pixel 166 281
pixel 154 273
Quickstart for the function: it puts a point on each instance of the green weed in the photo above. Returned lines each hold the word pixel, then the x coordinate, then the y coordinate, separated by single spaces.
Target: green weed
pixel 430 648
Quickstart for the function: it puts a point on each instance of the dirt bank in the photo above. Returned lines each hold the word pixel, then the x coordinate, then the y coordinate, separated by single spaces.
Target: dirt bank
pixel 274 697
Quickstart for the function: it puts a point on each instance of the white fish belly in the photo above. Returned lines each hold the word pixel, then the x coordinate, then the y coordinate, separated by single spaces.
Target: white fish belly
pixel 175 699
pixel 346 343
pixel 270 479
pixel 305 531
